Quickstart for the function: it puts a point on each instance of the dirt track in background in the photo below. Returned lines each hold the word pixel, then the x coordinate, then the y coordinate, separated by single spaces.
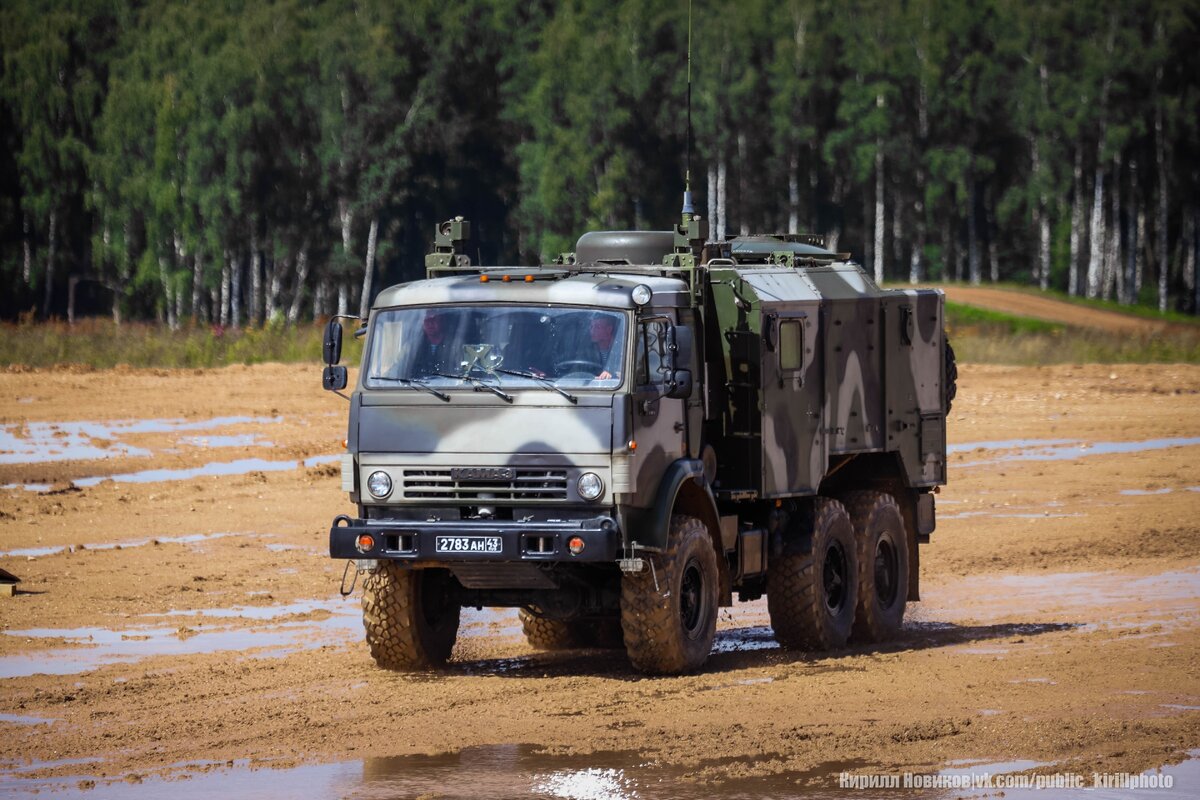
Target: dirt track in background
pixel 1052 310
pixel 1058 623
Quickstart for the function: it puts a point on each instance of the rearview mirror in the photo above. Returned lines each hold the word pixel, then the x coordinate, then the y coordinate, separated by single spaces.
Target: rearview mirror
pixel 331 347
pixel 679 384
pixel 334 378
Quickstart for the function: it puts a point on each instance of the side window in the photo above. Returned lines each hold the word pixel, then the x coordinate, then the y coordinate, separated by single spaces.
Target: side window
pixel 791 345
pixel 650 344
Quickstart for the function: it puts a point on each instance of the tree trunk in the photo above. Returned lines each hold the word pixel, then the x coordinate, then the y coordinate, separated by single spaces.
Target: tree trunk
pixel 948 265
pixel 868 215
pixel 255 317
pixel 369 268
pixel 1077 232
pixel 973 253
pixel 1139 254
pixel 51 252
pixel 1128 290
pixel 343 304
pixel 226 272
pixel 880 221
pixel 711 198
pixel 275 287
pixel 1112 254
pixel 235 293
pixel 1163 255
pixel 1044 247
pixel 27 250
pixel 989 207
pixel 1189 260
pixel 168 295
pixel 743 206
pixel 916 264
pixel 794 193
pixel 721 198
pixel 198 286
pixel 301 279
pixel 1096 247
pixel 321 299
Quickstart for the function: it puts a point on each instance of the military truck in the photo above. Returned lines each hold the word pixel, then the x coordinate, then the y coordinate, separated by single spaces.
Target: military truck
pixel 619 442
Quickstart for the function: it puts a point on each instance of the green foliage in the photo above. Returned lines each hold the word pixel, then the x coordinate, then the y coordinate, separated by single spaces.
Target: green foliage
pixel 218 160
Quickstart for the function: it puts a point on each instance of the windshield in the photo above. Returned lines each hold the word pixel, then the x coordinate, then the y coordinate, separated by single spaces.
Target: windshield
pixel 513 346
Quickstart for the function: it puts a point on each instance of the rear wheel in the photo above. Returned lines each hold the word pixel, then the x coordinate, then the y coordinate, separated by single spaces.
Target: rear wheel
pixel 410 615
pixel 669 613
pixel 883 560
pixel 812 588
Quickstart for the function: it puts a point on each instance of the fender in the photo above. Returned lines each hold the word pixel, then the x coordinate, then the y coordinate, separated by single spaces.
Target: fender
pixel 648 527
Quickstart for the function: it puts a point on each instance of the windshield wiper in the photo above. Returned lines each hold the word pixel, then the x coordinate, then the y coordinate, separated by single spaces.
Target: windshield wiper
pixel 413 382
pixel 543 380
pixel 478 384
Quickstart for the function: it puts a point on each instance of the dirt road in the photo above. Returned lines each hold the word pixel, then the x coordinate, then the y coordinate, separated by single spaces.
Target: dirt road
pixel 179 628
pixel 1047 308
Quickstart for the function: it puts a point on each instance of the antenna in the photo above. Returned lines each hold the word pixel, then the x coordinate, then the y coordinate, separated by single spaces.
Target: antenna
pixel 688 208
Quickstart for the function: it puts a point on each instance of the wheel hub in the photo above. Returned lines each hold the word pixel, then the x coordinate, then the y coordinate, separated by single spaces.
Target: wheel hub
pixel 834 577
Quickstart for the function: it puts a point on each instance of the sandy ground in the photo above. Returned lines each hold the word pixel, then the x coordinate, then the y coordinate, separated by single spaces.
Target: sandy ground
pixel 191 626
pixel 1051 310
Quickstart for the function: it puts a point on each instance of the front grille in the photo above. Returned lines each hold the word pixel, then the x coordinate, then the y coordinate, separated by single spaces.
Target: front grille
pixel 526 484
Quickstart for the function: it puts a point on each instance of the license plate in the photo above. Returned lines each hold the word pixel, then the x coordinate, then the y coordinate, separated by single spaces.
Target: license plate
pixel 468 544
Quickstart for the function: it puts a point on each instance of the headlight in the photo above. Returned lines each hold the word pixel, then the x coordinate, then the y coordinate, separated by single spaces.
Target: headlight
pixel 590 486
pixel 640 295
pixel 379 485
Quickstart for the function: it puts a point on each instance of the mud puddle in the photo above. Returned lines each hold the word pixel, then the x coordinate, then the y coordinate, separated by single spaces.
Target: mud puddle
pixel 496 771
pixel 274 631
pixel 1061 449
pixel 38 552
pixel 42 442
pixel 97 647
pixel 242 466
pixel 524 771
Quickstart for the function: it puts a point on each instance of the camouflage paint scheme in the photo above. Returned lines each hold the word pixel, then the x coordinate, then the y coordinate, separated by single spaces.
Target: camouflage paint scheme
pixel 866 379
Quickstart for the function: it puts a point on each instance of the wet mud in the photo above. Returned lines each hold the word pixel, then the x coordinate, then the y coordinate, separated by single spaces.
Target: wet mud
pixel 177 629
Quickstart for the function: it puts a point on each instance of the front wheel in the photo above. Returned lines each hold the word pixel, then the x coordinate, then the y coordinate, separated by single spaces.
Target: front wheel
pixel 669 612
pixel 410 615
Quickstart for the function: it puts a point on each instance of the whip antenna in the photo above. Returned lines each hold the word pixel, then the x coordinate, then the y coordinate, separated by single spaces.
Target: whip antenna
pixel 688 208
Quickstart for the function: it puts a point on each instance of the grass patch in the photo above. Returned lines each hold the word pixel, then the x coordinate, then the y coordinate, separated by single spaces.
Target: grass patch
pixel 101 344
pixel 961 317
pixel 1073 346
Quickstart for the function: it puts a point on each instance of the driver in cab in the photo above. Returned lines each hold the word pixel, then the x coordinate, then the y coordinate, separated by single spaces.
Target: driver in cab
pixel 602 332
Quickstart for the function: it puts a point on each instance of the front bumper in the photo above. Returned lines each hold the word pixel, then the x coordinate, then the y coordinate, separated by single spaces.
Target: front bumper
pixel 418 541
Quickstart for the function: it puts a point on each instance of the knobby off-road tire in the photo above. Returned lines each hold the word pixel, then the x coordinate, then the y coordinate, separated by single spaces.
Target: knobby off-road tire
pixel 951 376
pixel 811 595
pixel 550 634
pixel 883 565
pixel 553 634
pixel 411 616
pixel 670 629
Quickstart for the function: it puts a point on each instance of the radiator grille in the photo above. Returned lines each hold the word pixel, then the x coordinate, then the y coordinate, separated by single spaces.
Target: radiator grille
pixel 526 484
